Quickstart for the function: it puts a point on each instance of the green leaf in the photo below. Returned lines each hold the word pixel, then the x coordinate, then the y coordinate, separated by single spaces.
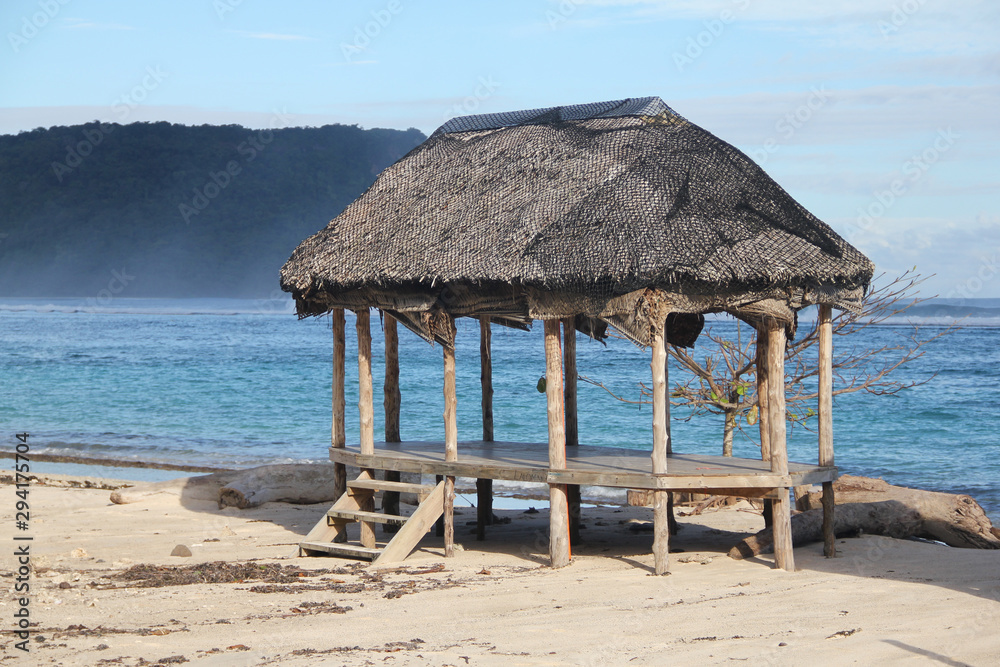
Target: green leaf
pixel 714 396
pixel 741 390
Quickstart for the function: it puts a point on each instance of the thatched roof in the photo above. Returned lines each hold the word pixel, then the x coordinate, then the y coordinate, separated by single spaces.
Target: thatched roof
pixel 615 212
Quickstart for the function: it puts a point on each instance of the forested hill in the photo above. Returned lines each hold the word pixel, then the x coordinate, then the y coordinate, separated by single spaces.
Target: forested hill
pixel 156 209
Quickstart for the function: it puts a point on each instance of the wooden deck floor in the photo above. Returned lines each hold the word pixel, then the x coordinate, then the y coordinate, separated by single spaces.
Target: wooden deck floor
pixel 597 466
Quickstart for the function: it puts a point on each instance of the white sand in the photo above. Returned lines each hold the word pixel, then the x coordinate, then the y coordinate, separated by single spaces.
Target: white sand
pixel 882 602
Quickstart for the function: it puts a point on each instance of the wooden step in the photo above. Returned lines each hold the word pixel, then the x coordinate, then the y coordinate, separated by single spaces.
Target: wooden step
pixel 370 517
pixel 399 487
pixel 341 549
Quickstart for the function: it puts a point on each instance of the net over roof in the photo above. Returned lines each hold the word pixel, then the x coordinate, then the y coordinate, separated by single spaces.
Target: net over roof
pixel 613 213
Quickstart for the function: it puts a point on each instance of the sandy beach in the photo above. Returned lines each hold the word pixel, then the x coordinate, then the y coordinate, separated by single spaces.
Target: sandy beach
pixel 106 591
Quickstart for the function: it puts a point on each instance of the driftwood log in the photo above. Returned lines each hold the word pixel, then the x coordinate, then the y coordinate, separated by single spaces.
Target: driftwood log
pixel 292 483
pixel 875 507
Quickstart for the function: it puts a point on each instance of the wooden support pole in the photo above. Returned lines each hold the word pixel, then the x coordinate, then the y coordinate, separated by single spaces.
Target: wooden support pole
pixel 392 398
pixel 338 435
pixel 391 403
pixel 661 439
pixel 782 513
pixel 366 411
pixel 484 487
pixel 763 413
pixel 366 408
pixel 572 430
pixel 559 548
pixel 439 524
pixel 826 423
pixel 450 441
pixel 569 389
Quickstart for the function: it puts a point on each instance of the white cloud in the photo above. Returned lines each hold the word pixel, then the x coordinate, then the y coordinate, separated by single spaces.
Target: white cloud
pixel 849 116
pixel 958 26
pixel 280 37
pixel 86 24
pixel 964 257
pixel 351 63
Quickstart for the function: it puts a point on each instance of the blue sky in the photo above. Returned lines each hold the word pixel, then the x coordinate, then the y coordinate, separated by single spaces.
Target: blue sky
pixel 882 117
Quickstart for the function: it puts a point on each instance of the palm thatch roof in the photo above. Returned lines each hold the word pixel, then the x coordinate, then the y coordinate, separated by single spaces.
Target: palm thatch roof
pixel 612 213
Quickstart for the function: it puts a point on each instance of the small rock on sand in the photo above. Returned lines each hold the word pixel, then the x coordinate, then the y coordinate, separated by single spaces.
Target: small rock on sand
pixel 182 551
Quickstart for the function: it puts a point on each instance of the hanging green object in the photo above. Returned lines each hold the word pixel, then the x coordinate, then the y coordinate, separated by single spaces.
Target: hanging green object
pixel 541 385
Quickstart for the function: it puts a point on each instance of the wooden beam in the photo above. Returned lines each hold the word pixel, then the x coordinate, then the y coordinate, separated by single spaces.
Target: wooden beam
pixel 599 466
pixel 572 430
pixel 392 398
pixel 410 534
pixel 484 486
pixel 826 423
pixel 661 509
pixel 658 366
pixel 366 408
pixel 569 389
pixel 391 403
pixel 486 375
pixel 450 441
pixel 763 413
pixel 559 548
pixel 366 411
pixel 782 512
pixel 338 437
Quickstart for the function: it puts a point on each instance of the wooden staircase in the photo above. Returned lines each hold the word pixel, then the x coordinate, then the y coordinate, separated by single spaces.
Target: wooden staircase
pixel 357 505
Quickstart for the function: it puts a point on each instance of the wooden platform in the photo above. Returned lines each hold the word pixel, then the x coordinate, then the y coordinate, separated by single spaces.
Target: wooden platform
pixel 589 465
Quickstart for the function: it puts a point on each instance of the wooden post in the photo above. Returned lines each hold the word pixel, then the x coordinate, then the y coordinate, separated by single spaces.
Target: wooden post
pixel 391 389
pixel 763 412
pixel 661 439
pixel 782 516
pixel 484 487
pixel 391 403
pixel 338 436
pixel 572 431
pixel 366 410
pixel 450 441
pixel 826 423
pixel 559 548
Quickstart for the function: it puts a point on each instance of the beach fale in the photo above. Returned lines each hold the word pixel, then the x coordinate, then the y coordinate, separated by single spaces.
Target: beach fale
pixel 616 214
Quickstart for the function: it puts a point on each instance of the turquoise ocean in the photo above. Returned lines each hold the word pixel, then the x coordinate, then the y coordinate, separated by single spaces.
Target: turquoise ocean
pixel 237 383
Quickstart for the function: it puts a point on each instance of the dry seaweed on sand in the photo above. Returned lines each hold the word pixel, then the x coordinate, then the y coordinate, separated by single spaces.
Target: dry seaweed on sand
pixel 217 572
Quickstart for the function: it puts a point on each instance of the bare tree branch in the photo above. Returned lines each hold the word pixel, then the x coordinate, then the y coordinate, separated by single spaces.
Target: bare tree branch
pixel 725 382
